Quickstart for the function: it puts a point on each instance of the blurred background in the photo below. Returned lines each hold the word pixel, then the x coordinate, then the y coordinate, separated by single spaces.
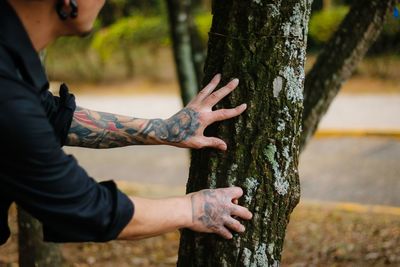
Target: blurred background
pixel 349 214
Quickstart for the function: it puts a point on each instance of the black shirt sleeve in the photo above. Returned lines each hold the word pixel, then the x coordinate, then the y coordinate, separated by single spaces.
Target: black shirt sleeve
pixel 37 174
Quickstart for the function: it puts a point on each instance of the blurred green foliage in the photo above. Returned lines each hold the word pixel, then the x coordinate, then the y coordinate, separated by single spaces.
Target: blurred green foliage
pixel 127 31
pixel 130 32
pixel 203 22
pixel 114 10
pixel 325 22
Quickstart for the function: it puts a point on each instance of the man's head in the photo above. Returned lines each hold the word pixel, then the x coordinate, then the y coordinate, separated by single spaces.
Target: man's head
pixel 43 22
pixel 86 15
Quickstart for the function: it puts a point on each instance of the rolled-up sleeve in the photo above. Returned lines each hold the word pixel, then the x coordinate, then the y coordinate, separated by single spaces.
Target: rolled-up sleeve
pixel 40 177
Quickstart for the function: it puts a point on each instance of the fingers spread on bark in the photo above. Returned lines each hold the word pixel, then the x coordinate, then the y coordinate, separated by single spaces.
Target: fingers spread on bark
pixel 212 210
pixel 224 114
pixel 234 192
pixel 216 96
pixel 206 91
pixel 215 143
pixel 234 225
pixel 241 212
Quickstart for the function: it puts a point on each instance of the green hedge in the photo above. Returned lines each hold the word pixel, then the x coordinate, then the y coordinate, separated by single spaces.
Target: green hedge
pixel 130 32
pixel 324 23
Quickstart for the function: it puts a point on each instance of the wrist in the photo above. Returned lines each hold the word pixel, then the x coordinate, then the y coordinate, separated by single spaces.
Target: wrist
pixel 188 211
pixel 152 131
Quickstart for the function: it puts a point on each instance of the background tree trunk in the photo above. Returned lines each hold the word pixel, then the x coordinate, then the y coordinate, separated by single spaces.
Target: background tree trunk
pixel 339 59
pixel 263 44
pixel 181 27
pixel 32 250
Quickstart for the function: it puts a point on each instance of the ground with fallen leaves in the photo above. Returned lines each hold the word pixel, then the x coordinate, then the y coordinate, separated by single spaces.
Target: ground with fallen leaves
pixel 318 235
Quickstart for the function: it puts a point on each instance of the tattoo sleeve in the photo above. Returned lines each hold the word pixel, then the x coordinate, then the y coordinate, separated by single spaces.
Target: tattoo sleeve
pixel 95 129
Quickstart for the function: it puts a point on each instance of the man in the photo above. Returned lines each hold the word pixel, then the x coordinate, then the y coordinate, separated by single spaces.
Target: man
pixel 36 173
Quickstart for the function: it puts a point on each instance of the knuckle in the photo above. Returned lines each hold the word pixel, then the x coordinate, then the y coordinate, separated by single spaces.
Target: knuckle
pixel 224 113
pixel 215 142
pixel 203 92
pixel 197 145
pixel 235 209
pixel 214 95
pixel 237 226
pixel 220 115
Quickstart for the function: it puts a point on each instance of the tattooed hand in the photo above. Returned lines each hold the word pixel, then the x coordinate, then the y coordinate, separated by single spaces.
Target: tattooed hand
pixel 96 129
pixel 185 129
pixel 212 211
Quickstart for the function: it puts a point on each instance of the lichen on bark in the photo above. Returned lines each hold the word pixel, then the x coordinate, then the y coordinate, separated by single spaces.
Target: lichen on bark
pixel 258 50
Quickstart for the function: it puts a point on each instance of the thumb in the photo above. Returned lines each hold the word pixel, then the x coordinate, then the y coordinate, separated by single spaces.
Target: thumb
pixel 215 143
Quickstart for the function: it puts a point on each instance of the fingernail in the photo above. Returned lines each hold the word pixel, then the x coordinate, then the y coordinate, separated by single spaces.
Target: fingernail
pixel 244 105
pixel 243 229
pixel 236 81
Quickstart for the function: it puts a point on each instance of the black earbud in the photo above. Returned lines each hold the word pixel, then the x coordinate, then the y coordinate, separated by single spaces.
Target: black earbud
pixel 63 14
pixel 74 9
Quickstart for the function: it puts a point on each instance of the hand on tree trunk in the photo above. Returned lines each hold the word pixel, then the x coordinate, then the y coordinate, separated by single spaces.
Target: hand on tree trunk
pixel 187 126
pixel 212 211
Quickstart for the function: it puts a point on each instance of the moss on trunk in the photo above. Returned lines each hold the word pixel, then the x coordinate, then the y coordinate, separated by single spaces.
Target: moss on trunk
pixel 263 44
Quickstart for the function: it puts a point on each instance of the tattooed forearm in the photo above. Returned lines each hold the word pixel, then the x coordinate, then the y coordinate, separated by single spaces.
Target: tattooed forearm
pixel 104 130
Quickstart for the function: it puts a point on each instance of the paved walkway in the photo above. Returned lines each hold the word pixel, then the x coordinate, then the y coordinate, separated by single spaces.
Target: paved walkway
pixel 380 112
pixel 364 170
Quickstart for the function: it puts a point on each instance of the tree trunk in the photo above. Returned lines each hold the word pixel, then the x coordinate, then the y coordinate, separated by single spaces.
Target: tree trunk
pixel 32 250
pixel 180 27
pixel 198 51
pixel 263 44
pixel 339 59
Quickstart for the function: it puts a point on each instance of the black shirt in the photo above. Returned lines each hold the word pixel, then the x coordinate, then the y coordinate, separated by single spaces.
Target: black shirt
pixel 34 170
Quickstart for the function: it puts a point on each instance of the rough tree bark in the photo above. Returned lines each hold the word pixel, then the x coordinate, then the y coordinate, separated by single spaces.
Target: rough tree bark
pixel 32 250
pixel 263 44
pixel 339 59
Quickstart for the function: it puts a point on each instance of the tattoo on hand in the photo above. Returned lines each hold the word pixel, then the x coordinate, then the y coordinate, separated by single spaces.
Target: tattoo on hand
pixel 176 129
pixel 212 213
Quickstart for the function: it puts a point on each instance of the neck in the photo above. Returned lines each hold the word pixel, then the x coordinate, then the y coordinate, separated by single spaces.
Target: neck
pixel 39 19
